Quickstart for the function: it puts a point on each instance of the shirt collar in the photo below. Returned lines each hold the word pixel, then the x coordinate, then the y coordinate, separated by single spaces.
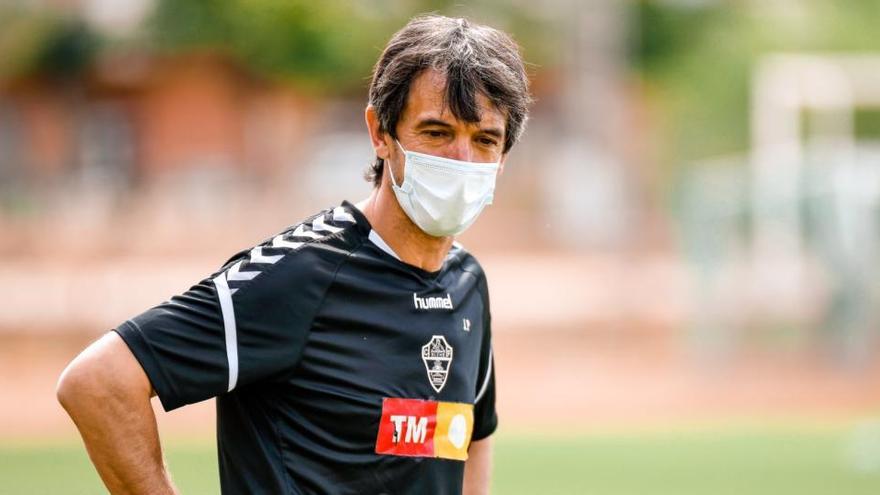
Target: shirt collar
pixel 380 243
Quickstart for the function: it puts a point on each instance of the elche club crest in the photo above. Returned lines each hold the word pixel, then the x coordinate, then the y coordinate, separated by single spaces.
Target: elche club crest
pixel 437 355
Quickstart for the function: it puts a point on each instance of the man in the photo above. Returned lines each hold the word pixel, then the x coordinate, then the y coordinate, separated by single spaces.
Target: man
pixel 351 353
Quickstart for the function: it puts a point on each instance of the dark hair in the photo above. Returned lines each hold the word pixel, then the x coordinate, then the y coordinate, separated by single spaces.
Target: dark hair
pixel 475 60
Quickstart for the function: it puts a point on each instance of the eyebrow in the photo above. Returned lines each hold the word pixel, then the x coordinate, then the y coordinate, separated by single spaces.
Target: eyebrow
pixel 431 122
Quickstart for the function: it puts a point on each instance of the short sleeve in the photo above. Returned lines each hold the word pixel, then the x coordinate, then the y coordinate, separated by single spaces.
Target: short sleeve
pixel 485 416
pixel 244 324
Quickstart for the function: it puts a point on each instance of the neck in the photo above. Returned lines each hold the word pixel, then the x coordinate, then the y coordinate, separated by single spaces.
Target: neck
pixel 411 244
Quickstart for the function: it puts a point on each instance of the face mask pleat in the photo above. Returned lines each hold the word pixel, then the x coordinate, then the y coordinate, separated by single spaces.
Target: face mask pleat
pixel 443 196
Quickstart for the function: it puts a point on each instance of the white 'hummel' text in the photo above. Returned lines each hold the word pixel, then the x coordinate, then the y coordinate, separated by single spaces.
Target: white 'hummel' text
pixel 432 302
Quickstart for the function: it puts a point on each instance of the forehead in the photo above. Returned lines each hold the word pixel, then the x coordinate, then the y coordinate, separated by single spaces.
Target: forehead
pixel 426 100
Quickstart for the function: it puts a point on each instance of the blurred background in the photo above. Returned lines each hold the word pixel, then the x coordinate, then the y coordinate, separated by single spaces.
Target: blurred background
pixel 683 252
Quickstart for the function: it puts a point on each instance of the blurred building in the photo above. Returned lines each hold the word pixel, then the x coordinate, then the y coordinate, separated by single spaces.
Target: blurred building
pixel 135 117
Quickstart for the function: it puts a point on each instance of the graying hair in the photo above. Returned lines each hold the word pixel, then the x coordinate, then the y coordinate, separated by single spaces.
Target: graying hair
pixel 475 59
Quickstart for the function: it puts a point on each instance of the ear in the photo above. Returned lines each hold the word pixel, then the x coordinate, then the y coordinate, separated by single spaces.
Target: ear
pixel 377 137
pixel 501 163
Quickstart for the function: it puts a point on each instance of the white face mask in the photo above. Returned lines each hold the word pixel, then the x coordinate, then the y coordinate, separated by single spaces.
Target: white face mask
pixel 441 195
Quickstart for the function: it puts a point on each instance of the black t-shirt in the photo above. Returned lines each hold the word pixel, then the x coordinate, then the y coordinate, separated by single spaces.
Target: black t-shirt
pixel 337 368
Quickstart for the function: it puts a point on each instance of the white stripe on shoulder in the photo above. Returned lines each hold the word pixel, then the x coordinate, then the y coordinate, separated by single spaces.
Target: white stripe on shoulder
pixel 251 266
pixel 229 329
pixel 280 242
pixel 290 240
pixel 302 232
pixel 234 274
pixel 381 244
pixel 340 215
pixel 319 226
pixel 257 256
pixel 485 385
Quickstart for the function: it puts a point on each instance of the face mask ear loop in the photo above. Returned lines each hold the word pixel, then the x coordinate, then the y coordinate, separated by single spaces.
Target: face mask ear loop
pixel 390 172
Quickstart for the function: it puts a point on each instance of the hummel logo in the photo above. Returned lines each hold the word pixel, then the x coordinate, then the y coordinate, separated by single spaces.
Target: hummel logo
pixel 432 302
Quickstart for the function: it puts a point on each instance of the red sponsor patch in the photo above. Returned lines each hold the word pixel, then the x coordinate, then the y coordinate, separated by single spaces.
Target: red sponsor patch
pixel 407 427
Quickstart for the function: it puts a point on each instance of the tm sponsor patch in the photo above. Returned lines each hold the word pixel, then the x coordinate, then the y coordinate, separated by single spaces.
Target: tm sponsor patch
pixel 425 428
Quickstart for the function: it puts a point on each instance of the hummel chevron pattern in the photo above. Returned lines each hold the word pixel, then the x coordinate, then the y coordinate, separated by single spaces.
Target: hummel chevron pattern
pixel 268 253
pixel 252 264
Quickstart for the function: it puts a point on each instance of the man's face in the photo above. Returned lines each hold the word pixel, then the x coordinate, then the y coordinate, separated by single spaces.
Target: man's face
pixel 426 126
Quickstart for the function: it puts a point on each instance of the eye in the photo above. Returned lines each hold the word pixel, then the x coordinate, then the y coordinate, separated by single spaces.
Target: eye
pixel 487 141
pixel 435 133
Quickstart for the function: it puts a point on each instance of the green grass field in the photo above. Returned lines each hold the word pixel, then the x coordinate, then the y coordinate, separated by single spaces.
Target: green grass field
pixel 742 460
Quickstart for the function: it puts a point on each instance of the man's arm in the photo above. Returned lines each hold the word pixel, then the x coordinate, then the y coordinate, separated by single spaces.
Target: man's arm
pixel 107 394
pixel 478 468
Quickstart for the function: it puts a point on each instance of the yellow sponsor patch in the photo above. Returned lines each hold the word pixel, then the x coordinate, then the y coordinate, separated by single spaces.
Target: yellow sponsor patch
pixel 422 428
pixel 455 423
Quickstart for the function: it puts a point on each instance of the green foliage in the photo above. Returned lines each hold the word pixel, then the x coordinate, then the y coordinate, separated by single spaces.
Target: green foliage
pixel 319 45
pixel 323 46
pixel 697 60
pixel 867 124
pixel 41 42
pixel 334 45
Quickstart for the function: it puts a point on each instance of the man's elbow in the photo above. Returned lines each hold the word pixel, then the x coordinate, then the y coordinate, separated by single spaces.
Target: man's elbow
pixel 79 383
pixel 104 371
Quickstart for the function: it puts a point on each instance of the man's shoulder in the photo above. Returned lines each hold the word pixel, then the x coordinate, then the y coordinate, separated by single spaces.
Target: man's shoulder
pixel 466 261
pixel 303 252
pixel 468 266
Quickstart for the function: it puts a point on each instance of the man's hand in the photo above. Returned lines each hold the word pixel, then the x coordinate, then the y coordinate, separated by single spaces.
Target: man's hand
pixel 478 468
pixel 107 394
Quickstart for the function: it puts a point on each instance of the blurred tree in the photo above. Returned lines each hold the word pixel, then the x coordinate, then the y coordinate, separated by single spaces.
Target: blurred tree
pixel 44 42
pixel 696 59
pixel 319 45
pixel 322 46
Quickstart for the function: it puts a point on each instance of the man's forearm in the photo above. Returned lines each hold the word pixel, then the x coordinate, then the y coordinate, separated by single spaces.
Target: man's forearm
pixel 478 468
pixel 107 395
